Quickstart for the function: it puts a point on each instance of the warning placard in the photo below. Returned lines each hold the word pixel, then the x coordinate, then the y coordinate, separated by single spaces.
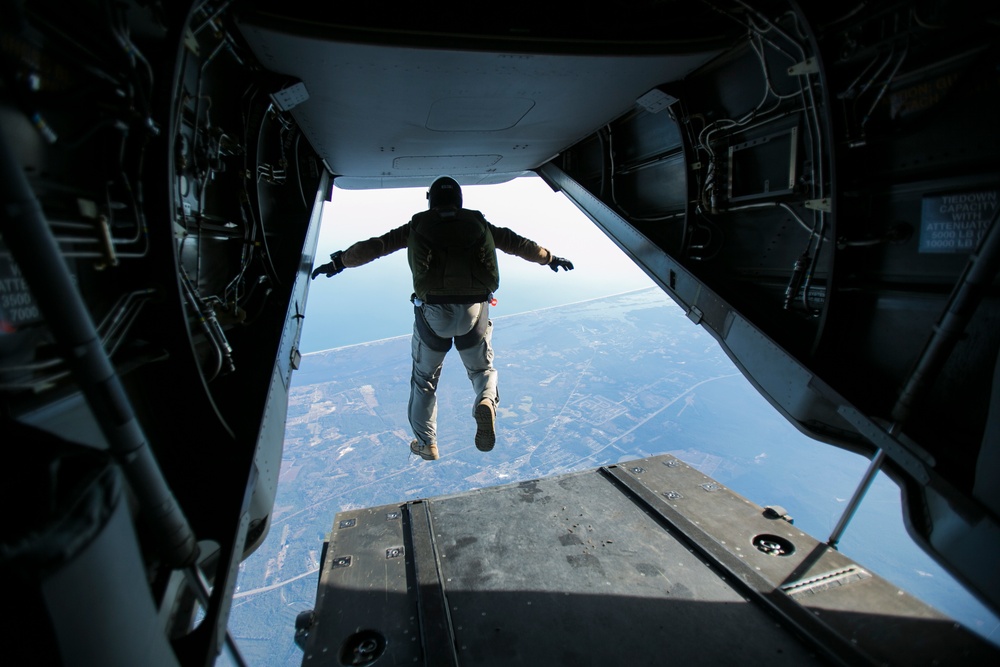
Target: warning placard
pixel 956 222
pixel 17 306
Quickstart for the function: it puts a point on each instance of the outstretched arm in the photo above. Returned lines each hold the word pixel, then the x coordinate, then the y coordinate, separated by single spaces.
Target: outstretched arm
pixel 363 252
pixel 513 244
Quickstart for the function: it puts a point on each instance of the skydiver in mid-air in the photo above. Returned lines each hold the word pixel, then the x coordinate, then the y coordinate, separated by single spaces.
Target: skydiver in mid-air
pixel 452 256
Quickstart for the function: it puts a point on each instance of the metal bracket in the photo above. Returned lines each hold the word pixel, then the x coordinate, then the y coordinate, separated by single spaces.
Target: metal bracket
pixel 912 458
pixel 808 66
pixel 290 96
pixel 655 101
pixel 191 42
pixel 777 512
pixel 819 204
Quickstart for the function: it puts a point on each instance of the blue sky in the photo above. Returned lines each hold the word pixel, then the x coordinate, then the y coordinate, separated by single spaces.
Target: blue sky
pixel 372 301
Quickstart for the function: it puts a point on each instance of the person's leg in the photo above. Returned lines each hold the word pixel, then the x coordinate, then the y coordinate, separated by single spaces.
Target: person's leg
pixel 476 350
pixel 428 351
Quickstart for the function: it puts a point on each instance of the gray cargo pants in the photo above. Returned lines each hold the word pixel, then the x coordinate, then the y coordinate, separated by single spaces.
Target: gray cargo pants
pixel 434 327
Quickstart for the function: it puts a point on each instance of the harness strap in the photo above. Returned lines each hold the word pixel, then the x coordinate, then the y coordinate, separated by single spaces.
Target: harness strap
pixel 427 335
pixel 477 332
pixel 463 342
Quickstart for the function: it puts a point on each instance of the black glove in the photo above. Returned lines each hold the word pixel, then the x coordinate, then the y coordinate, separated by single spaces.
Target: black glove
pixel 556 262
pixel 331 268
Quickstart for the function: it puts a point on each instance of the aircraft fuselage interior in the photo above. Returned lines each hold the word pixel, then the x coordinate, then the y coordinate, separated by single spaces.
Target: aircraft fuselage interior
pixel 814 184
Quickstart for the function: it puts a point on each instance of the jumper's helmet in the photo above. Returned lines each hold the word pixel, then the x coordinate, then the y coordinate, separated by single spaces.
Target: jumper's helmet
pixel 445 191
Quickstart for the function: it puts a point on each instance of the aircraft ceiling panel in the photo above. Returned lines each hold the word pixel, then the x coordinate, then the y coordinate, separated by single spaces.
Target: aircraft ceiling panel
pixel 377 114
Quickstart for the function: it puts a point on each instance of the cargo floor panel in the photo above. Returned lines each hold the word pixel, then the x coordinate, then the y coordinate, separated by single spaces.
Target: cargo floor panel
pixel 607 567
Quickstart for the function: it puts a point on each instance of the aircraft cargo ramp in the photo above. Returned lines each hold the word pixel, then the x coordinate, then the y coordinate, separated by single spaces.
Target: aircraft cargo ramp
pixel 637 564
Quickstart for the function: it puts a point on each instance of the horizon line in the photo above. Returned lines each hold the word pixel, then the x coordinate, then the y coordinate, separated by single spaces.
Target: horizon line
pixel 499 317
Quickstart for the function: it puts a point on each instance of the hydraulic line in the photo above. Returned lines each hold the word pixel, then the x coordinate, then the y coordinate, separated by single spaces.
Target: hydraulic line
pixel 210 325
pixel 32 245
pixel 859 494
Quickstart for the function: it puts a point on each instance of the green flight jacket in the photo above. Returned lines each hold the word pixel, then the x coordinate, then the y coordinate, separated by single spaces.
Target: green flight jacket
pixel 503 239
pixel 452 256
